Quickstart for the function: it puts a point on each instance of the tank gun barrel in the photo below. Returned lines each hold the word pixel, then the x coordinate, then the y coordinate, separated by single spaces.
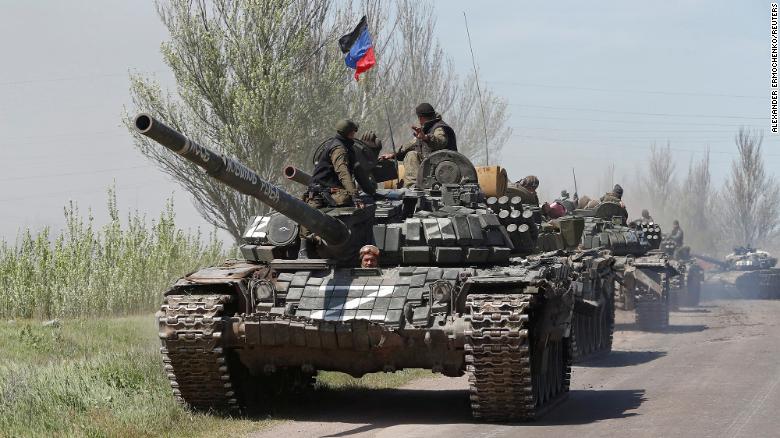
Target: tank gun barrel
pixel 712 260
pixel 243 179
pixel 294 174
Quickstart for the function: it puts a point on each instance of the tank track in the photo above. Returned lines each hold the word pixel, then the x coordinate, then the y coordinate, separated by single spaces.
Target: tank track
pixel 190 328
pixel 591 336
pixel 505 381
pixel 652 314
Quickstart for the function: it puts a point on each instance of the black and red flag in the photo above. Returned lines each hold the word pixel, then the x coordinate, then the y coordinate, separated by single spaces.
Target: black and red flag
pixel 359 48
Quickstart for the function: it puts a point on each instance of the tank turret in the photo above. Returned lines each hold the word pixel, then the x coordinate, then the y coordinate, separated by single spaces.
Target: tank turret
pixel 245 180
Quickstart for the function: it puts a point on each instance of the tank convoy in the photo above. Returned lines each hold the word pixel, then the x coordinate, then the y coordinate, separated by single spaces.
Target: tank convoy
pixel 461 287
pixel 745 273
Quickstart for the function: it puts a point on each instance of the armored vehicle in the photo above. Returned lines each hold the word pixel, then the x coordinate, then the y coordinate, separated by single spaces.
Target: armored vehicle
pixel 642 270
pixel 746 273
pixel 684 289
pixel 457 290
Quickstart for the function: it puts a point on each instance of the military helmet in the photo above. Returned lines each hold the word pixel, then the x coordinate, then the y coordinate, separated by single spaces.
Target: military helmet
pixel 425 109
pixel 345 126
pixel 530 182
pixel 618 190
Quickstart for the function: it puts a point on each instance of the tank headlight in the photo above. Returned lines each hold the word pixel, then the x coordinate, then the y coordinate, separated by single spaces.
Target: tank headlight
pixel 263 291
pixel 441 291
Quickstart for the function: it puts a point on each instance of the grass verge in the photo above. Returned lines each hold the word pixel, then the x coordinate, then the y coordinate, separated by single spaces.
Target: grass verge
pixel 103 378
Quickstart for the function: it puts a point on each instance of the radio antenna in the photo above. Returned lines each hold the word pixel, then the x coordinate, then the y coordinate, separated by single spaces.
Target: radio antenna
pixel 479 92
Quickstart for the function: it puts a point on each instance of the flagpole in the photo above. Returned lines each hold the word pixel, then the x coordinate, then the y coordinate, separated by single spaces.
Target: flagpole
pixel 380 83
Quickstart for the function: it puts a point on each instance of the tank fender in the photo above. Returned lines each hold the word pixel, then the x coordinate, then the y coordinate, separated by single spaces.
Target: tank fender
pixel 228 273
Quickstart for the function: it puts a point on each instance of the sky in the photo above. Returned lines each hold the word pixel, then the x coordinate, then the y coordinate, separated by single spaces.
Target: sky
pixel 589 84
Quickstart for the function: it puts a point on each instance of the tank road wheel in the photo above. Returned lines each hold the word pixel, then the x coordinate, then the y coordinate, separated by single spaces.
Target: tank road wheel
pixel 190 328
pixel 509 380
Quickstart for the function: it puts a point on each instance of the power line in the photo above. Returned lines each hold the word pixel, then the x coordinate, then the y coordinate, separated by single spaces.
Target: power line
pixel 596 110
pixel 635 122
pixel 684 131
pixel 603 144
pixel 71 192
pixel 91 172
pixel 69 78
pixel 632 91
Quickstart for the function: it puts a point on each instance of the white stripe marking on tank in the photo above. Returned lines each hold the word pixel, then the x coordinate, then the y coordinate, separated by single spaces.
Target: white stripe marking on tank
pixel 333 312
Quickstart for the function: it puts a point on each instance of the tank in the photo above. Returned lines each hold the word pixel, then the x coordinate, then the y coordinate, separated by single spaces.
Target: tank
pixel 684 289
pixel 593 319
pixel 745 273
pixel 458 289
pixel 643 271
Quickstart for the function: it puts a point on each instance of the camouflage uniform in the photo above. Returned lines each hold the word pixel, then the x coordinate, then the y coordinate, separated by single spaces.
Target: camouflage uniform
pixel 616 195
pixel 440 136
pixel 610 197
pixel 677 235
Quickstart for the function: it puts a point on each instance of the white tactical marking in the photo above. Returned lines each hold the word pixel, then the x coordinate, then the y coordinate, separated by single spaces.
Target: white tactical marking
pixel 334 312
pixel 259 228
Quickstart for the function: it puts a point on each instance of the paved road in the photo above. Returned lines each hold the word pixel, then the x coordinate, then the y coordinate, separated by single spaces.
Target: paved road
pixel 714 374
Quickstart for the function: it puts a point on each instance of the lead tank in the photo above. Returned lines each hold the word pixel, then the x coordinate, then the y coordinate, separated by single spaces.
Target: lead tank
pixel 745 273
pixel 455 292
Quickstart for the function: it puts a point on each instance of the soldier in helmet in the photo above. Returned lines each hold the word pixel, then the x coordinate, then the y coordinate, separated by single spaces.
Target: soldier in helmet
pixel 646 216
pixel 677 233
pixel 432 135
pixel 527 188
pixel 332 181
pixel 616 195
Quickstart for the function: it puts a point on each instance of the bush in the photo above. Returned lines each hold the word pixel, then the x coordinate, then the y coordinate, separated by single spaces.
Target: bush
pixel 120 268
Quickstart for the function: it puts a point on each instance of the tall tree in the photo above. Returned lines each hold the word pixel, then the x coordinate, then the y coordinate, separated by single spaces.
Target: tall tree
pixel 263 81
pixel 694 206
pixel 658 184
pixel 750 200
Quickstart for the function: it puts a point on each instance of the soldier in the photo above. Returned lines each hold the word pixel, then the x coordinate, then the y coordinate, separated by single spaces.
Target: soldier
pixel 369 256
pixel 646 216
pixel 332 181
pixel 677 233
pixel 527 188
pixel 432 135
pixel 616 195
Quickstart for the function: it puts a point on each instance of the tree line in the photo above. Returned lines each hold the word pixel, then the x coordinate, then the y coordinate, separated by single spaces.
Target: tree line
pixel 744 210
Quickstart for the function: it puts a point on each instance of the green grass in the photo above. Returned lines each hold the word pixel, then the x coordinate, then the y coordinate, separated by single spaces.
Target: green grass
pixel 103 378
pixel 94 378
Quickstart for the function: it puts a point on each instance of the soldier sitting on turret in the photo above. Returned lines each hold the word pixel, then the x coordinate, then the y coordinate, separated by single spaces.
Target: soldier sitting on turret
pixel 432 135
pixel 527 188
pixel 332 181
pixel 677 233
pixel 616 195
